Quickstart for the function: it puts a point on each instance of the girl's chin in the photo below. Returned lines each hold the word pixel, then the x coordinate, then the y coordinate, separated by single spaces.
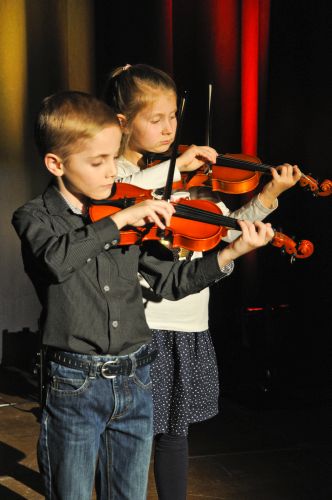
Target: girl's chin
pixel 163 148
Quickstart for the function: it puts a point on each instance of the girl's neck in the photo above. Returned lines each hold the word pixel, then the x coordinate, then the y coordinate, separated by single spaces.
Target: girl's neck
pixel 133 156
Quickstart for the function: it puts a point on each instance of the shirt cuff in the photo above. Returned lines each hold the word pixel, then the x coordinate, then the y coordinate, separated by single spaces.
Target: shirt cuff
pixel 107 232
pixel 226 271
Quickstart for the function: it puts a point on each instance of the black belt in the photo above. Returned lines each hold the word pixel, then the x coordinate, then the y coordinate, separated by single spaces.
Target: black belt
pixel 108 369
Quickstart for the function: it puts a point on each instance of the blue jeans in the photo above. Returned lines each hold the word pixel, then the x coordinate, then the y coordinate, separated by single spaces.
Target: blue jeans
pixel 90 423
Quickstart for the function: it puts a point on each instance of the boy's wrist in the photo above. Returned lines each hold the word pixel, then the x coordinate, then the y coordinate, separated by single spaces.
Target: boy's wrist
pixel 226 256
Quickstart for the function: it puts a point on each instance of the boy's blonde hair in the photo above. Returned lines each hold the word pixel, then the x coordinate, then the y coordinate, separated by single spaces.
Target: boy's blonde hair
pixel 130 88
pixel 67 118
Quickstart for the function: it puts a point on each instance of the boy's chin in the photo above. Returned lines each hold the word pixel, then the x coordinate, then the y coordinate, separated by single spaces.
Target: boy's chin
pixel 102 196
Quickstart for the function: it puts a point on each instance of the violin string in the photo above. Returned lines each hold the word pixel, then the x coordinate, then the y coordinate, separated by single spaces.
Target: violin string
pixel 233 162
pixel 204 216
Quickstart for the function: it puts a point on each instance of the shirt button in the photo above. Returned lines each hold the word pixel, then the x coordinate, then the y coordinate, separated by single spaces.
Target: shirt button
pixel 115 324
pixel 114 242
pixel 106 247
pixel 106 288
pixel 89 259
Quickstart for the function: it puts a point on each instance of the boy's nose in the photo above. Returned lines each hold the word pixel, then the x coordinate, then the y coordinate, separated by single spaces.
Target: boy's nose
pixel 111 170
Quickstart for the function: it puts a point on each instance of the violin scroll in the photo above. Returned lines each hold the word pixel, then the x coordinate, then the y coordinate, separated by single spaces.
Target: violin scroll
pixel 302 250
pixel 322 189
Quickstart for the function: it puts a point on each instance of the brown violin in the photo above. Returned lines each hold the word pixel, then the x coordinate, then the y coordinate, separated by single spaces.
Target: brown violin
pixel 233 173
pixel 197 225
pixel 239 173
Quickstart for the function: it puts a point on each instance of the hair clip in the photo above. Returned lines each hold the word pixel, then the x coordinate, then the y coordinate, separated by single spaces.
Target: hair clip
pixel 126 67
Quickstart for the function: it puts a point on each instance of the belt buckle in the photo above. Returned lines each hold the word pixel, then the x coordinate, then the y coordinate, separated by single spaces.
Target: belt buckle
pixel 105 366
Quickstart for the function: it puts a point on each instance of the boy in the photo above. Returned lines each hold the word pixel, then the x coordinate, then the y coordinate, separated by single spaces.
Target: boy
pixel 98 405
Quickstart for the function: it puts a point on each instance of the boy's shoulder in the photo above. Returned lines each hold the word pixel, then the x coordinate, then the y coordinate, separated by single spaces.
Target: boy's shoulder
pixel 35 203
pixel 49 198
pixel 41 206
pixel 32 206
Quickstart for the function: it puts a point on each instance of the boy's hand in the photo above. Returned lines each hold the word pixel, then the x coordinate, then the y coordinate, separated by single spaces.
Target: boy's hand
pixel 284 177
pixel 157 211
pixel 254 235
pixel 194 157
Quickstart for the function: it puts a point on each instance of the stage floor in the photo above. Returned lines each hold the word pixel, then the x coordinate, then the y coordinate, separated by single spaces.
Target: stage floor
pixel 280 452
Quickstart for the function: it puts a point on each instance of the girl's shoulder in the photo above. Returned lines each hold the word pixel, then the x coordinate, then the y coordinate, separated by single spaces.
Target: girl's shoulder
pixel 125 167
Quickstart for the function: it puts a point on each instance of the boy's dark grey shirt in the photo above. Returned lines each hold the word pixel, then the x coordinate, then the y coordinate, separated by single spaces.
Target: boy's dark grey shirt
pixel 88 286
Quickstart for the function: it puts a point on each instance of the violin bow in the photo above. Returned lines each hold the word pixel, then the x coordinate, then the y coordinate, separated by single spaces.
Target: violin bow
pixel 208 130
pixel 170 175
pixel 208 117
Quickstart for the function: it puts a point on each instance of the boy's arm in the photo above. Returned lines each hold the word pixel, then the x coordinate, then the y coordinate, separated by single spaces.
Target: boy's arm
pixel 174 280
pixel 59 256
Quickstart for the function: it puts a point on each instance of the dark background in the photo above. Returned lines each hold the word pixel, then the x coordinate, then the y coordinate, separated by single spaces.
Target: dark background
pixel 271 321
pixel 284 347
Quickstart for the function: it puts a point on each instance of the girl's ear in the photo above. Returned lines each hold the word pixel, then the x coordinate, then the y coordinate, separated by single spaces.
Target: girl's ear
pixel 54 164
pixel 123 122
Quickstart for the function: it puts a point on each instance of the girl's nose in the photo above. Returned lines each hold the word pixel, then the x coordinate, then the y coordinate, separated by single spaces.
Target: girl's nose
pixel 168 128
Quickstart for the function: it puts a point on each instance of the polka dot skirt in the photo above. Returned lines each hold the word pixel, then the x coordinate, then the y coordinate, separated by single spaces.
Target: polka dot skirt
pixel 185 383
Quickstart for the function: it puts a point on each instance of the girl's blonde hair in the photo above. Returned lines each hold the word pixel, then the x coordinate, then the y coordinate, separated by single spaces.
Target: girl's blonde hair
pixel 130 88
pixel 67 118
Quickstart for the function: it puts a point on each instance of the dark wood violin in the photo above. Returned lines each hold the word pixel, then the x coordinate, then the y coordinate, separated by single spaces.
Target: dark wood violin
pixel 233 173
pixel 238 173
pixel 197 225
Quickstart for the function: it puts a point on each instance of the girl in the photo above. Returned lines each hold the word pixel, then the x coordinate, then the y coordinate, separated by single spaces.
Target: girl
pixel 185 374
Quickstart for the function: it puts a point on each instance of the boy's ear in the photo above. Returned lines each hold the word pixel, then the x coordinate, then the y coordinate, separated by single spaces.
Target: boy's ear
pixel 54 164
pixel 123 122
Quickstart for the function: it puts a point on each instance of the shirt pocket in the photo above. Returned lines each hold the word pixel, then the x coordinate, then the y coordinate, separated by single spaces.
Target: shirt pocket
pixel 125 262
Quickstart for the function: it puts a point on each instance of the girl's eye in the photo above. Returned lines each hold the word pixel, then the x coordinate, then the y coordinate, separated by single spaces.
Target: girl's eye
pixel 96 164
pixel 155 121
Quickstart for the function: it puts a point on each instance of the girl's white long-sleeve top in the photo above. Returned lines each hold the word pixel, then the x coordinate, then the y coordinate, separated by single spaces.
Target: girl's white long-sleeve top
pixel 190 314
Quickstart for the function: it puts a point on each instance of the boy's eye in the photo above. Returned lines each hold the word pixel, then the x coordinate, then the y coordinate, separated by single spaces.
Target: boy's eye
pixel 96 163
pixel 155 121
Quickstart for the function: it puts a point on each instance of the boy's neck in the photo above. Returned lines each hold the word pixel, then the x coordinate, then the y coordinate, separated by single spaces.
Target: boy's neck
pixel 77 204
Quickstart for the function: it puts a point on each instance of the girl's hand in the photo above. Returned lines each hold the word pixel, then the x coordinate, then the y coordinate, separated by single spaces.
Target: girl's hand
pixel 194 157
pixel 284 177
pixel 254 235
pixel 158 212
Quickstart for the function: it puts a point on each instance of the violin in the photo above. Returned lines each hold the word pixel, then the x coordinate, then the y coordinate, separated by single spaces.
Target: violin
pixel 238 173
pixel 233 173
pixel 196 225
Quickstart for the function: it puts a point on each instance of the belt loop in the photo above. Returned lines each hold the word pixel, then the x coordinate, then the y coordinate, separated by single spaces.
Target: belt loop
pixel 132 358
pixel 92 370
